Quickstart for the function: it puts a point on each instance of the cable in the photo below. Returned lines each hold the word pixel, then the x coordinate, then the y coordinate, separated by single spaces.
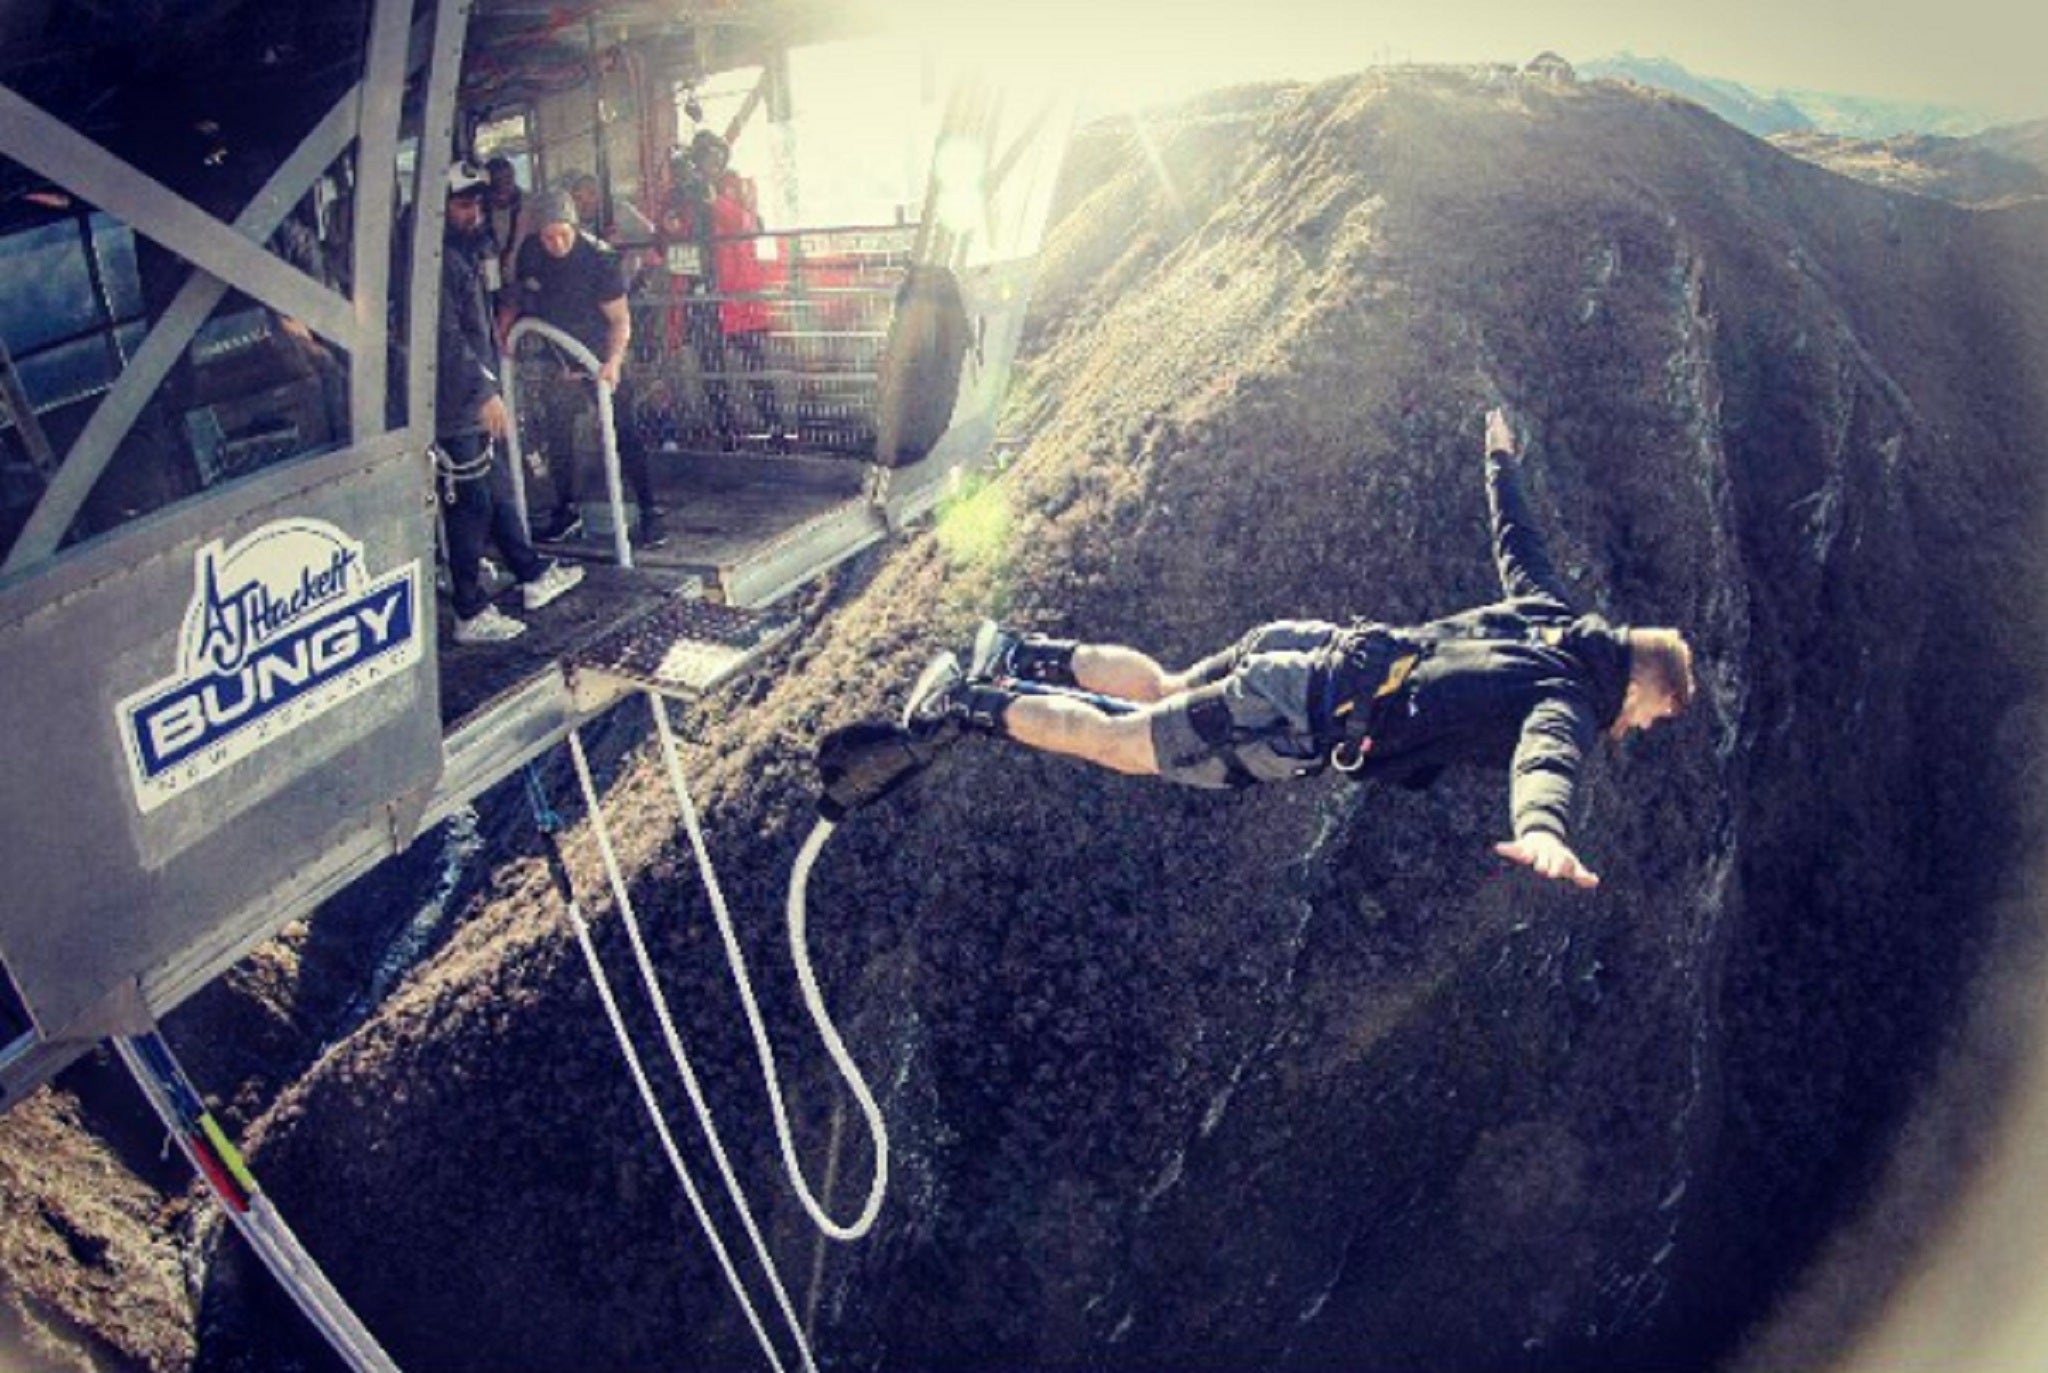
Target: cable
pixel 208 1149
pixel 814 1002
pixel 549 822
pixel 698 1102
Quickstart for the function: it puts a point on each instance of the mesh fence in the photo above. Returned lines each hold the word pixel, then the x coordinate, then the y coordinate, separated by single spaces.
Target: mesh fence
pixel 793 362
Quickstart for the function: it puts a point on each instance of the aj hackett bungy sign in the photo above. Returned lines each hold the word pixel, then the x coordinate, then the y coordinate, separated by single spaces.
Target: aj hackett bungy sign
pixel 283 626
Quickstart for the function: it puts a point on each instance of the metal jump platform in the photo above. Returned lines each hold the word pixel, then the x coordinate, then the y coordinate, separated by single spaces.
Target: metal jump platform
pixel 229 687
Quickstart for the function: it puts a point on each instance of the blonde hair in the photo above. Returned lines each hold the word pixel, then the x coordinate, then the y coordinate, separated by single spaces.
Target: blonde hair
pixel 1660 660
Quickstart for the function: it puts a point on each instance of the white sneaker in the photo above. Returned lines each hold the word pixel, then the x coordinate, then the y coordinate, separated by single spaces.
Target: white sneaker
pixel 934 698
pixel 488 626
pixel 551 585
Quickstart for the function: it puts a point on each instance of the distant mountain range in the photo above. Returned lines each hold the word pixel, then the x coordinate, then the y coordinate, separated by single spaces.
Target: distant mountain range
pixel 1764 113
pixel 1938 150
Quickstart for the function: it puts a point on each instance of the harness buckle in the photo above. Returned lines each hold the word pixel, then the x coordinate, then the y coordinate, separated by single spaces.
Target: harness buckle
pixel 1348 754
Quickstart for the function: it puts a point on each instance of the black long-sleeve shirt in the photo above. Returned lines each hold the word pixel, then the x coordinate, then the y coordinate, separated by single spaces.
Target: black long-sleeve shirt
pixel 1526 682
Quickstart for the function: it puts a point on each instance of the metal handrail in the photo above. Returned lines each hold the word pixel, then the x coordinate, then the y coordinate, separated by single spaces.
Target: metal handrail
pixel 622 546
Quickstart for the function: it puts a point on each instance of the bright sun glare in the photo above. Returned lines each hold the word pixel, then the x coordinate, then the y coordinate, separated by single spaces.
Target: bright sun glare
pixel 868 116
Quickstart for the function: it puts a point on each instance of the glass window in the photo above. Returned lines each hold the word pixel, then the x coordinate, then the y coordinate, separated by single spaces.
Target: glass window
pixel 79 287
pixel 69 372
pixel 511 139
pixel 14 1022
pixel 114 244
pixel 58 306
pixel 1015 189
pixel 48 291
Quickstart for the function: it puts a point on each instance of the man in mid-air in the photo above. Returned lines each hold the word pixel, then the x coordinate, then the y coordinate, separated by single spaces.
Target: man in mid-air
pixel 1526 682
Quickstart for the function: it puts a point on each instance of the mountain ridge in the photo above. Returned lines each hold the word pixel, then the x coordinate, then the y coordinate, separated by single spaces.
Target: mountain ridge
pixel 1766 112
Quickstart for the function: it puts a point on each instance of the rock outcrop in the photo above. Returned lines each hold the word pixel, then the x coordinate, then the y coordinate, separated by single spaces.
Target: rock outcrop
pixel 91 1274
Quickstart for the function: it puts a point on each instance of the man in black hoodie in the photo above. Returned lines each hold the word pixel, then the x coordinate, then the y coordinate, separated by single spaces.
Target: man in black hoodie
pixel 470 419
pixel 1526 682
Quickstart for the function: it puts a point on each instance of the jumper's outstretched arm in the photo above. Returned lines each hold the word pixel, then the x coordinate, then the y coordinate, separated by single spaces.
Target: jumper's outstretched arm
pixel 1518 548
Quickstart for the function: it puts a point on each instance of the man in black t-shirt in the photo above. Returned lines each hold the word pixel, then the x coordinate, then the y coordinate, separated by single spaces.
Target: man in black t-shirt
pixel 572 281
pixel 505 220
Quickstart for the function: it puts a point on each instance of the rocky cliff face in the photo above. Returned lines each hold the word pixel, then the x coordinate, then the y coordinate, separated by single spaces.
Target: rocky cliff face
pixel 1303 1078
pixel 93 1277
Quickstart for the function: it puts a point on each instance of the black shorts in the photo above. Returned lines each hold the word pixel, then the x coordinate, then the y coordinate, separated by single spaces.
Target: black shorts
pixel 1246 719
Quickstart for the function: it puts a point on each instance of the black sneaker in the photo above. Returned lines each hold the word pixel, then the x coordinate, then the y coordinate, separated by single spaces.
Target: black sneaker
pixel 652 532
pixel 935 707
pixel 561 526
pixel 993 655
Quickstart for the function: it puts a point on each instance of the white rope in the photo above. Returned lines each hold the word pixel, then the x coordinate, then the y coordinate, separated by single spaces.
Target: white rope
pixel 668 1143
pixel 630 920
pixel 814 1002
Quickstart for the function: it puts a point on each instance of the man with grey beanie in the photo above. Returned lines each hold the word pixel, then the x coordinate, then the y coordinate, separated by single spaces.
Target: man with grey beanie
pixel 569 279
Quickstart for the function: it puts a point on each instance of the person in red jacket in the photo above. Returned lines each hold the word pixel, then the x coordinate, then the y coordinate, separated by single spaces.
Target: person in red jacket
pixel 743 266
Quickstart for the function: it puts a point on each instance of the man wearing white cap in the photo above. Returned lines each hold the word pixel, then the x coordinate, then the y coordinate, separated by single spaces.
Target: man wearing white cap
pixel 469 421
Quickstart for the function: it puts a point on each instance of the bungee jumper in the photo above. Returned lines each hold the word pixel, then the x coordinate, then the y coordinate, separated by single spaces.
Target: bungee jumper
pixel 1527 683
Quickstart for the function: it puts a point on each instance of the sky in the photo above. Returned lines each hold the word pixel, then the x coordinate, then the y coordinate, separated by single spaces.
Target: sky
pixel 1985 55
pixel 1988 58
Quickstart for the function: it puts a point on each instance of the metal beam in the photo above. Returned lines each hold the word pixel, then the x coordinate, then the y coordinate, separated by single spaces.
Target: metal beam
pixel 430 198
pixel 756 97
pixel 768 571
pixel 376 192
pixel 46 144
pixel 123 404
pixel 1007 163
